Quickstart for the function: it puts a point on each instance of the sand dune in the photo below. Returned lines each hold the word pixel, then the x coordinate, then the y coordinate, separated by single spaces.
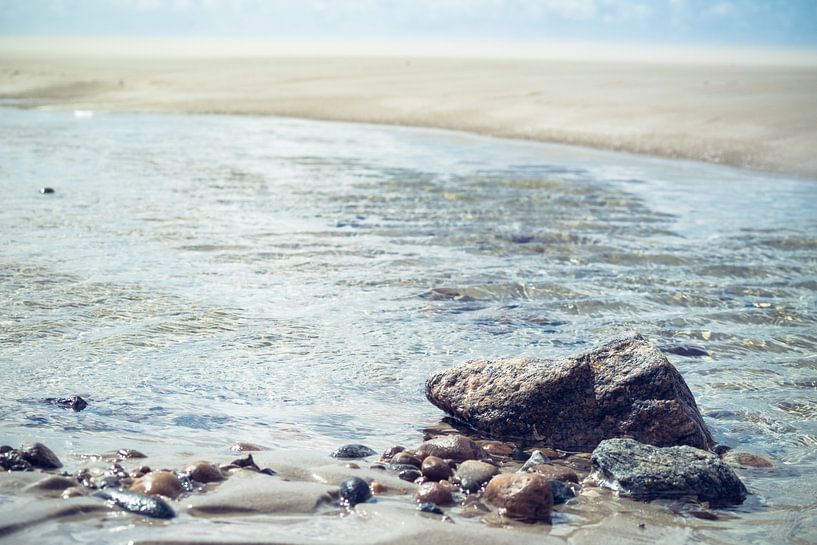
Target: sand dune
pixel 761 117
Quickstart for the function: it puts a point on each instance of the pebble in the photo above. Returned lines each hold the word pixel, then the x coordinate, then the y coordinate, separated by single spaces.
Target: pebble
pixel 204 472
pixel 455 447
pixel 554 472
pixel 247 463
pixel 141 504
pixel 497 448
pixel 352 451
pixel 163 483
pixel 377 487
pixel 51 483
pixel 440 493
pixel 71 403
pixel 473 474
pixel 561 492
pixel 12 460
pixel 435 469
pixel 536 458
pixel 389 453
pixel 354 490
pixel 429 507
pixel 410 475
pixel 40 456
pixel 523 496
pixel 745 459
pixel 129 454
pixel 72 492
pixel 47 190
pixel 404 458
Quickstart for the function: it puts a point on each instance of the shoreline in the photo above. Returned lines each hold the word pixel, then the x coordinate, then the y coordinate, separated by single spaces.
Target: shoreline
pixel 762 118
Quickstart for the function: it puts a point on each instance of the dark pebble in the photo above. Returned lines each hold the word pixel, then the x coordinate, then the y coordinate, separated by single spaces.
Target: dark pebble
pixel 268 471
pixel 352 451
pixel 401 467
pixel 70 403
pixel 404 458
pixel 12 460
pixel 436 469
pixel 247 463
pixel 354 490
pixel 40 456
pixel 129 453
pixel 429 508
pixel 686 351
pixel 47 190
pixel 391 451
pixel 720 450
pixel 148 506
pixel 410 475
pixel 5 448
pixel 561 492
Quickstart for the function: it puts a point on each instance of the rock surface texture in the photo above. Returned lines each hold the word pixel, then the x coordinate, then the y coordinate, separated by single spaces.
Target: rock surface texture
pixel 647 472
pixel 623 388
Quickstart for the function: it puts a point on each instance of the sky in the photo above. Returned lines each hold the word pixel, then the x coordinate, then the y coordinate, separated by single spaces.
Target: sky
pixel 731 23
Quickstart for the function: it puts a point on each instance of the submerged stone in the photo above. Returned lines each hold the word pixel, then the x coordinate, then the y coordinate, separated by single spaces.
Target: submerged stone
pixel 429 507
pixel 204 472
pixel 554 472
pixel 162 483
pixel 536 458
pixel 354 490
pixel 71 403
pixel 148 506
pixel 623 388
pixel 435 468
pixel 352 451
pixel 647 472
pixel 745 459
pixel 561 491
pixel 12 460
pixel 441 493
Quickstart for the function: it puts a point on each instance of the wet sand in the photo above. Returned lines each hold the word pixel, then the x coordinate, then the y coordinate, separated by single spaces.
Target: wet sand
pixel 752 116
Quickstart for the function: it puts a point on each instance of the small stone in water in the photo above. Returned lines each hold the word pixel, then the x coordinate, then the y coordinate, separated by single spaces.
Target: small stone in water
pixel 354 490
pixel 377 488
pixel 455 447
pixel 247 462
pixel 46 190
pixel 524 496
pixel 473 474
pixel 536 458
pixel 246 447
pixel 497 448
pixel 436 469
pixel 129 453
pixel 140 504
pixel 389 453
pixel 554 472
pixel 71 403
pixel 561 492
pixel 40 456
pixel 352 451
pixel 204 472
pixel 410 475
pixel 162 483
pixel 268 471
pixel 428 507
pixel 12 460
pixel 403 458
pixel 440 493
pixel 745 459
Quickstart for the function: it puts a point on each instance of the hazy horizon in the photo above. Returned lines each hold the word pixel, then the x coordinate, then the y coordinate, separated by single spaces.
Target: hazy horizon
pixel 668 24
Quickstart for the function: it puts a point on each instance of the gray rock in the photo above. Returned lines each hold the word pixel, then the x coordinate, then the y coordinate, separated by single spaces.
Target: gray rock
pixel 354 490
pixel 647 472
pixel 352 451
pixel 473 474
pixel 12 460
pixel 451 447
pixel 536 458
pixel 623 388
pixel 561 491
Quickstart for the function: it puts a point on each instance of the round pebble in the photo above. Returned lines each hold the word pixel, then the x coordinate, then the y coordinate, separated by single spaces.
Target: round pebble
pixel 352 451
pixel 440 493
pixel 404 458
pixel 554 472
pixel 204 472
pixel 473 474
pixel 428 507
pixel 436 469
pixel 158 483
pixel 354 490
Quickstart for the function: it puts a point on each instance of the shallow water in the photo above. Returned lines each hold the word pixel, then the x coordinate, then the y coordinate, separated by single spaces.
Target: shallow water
pixel 202 280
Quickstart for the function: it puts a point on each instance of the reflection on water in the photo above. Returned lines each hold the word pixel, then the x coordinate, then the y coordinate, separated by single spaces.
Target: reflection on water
pixel 206 279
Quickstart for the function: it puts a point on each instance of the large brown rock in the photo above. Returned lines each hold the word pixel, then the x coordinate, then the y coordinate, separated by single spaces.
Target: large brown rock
pixel 622 388
pixel 524 496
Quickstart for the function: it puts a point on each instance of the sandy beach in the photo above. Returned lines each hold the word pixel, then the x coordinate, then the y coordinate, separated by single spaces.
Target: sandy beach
pixel 752 116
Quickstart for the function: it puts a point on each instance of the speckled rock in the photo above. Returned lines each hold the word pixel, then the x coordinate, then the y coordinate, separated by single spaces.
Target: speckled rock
pixel 404 458
pixel 352 451
pixel 647 472
pixel 454 447
pixel 623 388
pixel 204 472
pixel 745 459
pixel 161 483
pixel 40 456
pixel 440 493
pixel 129 454
pixel 561 491
pixel 435 469
pixel 523 496
pixel 140 504
pixel 471 475
pixel 12 460
pixel 554 472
